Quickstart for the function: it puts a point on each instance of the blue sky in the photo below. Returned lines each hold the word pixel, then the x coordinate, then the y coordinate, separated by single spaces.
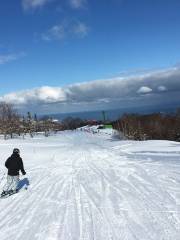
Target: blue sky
pixel 58 43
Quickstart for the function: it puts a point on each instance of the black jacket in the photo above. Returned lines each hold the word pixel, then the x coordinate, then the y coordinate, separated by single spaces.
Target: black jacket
pixel 14 164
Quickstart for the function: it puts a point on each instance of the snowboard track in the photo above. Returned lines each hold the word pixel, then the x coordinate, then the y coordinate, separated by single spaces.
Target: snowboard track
pixel 85 187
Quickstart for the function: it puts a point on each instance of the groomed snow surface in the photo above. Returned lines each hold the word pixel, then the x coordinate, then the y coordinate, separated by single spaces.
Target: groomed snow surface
pixel 86 186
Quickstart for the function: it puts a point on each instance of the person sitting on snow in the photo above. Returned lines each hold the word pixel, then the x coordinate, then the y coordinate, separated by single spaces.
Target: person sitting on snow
pixel 14 163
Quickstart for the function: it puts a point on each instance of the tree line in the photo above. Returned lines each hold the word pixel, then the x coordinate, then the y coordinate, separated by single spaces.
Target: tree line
pixel 12 124
pixel 152 126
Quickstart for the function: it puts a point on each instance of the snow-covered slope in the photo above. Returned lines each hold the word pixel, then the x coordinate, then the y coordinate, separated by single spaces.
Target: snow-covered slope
pixel 87 186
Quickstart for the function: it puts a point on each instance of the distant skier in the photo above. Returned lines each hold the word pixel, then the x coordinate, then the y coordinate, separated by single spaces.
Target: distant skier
pixel 14 163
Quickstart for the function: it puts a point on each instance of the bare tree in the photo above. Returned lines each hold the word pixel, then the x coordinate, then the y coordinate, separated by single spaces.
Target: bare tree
pixel 9 120
pixel 152 126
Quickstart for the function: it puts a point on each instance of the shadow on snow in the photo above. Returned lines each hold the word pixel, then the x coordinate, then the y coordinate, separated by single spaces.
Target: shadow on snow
pixel 23 183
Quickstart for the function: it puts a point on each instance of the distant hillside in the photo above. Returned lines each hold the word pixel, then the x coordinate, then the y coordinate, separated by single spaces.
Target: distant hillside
pixel 114 114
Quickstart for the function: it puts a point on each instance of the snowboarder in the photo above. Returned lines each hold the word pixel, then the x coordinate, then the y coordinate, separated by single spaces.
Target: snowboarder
pixel 14 163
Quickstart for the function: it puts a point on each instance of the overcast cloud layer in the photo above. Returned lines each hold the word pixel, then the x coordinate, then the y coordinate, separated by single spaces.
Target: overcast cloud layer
pixel 154 88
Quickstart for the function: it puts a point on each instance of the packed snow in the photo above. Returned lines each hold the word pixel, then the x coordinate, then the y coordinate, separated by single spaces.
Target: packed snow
pixel 92 186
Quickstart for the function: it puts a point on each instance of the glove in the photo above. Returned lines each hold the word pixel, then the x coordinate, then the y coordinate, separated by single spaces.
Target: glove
pixel 24 173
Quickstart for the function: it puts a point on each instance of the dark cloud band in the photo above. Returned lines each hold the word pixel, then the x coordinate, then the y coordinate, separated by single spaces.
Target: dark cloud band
pixel 152 87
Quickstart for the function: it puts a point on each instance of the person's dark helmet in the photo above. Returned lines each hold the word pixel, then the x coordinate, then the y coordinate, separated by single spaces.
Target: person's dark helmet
pixel 16 150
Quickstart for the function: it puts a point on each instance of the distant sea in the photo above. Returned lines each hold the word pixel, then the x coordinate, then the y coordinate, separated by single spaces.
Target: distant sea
pixel 113 114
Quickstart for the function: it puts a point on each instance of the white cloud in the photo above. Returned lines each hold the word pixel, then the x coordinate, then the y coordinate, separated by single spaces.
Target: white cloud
pixel 115 92
pixel 162 88
pixel 66 29
pixel 50 94
pixel 33 4
pixel 5 58
pixel 44 94
pixel 57 32
pixel 80 29
pixel 144 90
pixel 77 4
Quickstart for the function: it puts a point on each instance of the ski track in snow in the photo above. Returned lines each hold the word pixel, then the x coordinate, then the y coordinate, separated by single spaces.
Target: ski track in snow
pixel 89 187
